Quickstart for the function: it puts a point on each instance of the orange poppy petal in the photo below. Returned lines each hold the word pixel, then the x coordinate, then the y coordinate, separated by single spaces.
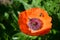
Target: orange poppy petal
pixel 38 13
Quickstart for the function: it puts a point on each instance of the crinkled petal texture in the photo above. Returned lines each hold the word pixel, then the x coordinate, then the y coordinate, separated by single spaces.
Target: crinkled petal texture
pixel 38 13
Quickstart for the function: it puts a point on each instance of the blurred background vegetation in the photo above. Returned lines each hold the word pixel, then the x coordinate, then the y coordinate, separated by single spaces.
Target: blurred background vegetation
pixel 9 9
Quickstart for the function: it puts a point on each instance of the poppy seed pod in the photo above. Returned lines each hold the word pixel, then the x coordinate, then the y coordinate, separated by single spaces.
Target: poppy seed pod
pixel 35 22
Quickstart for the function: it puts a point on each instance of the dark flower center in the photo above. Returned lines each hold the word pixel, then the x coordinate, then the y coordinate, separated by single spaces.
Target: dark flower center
pixel 34 23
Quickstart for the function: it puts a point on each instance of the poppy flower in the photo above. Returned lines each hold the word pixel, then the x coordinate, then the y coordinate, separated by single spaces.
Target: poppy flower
pixel 35 22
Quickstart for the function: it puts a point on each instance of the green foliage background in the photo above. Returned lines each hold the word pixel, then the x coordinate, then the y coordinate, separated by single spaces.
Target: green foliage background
pixel 9 29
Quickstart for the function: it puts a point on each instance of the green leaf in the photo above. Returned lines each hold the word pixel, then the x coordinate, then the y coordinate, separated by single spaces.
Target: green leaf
pixel 58 15
pixel 5 36
pixel 33 37
pixel 14 15
pixel 54 31
pixel 36 3
pixel 39 38
pixel 6 15
pixel 2 26
pixel 22 36
pixel 19 36
pixel 26 6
